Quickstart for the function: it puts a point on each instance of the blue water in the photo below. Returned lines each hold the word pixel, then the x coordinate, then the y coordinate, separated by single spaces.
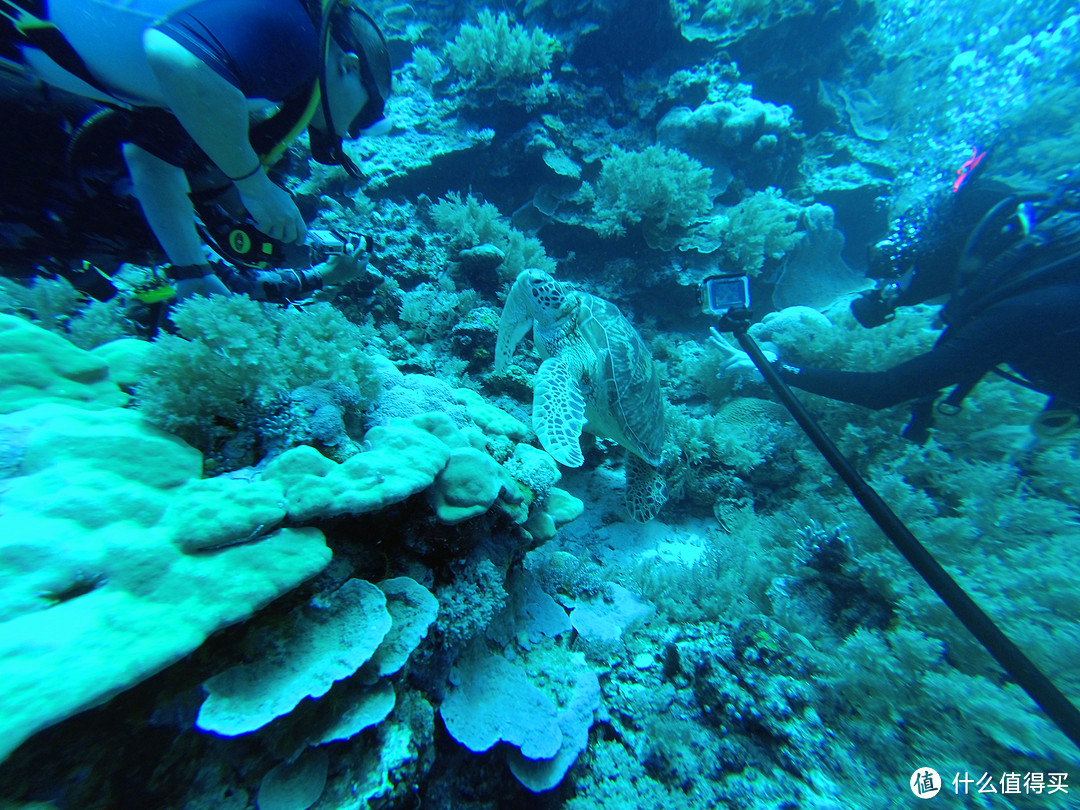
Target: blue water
pixel 317 551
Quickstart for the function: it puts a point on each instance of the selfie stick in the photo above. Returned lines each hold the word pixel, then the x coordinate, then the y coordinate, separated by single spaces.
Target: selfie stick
pixel 1008 655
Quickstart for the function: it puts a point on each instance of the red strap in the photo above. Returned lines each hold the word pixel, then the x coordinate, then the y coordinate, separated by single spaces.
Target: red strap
pixel 969 165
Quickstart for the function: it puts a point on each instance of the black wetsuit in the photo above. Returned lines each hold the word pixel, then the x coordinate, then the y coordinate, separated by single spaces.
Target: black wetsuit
pixel 267 49
pixel 1037 333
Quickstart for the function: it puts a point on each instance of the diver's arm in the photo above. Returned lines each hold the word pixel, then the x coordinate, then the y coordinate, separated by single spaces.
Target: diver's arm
pixel 872 389
pixel 214 112
pixel 277 286
pixel 966 355
pixel 289 284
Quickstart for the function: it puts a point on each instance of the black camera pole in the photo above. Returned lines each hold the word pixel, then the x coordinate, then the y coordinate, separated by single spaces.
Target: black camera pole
pixel 1030 678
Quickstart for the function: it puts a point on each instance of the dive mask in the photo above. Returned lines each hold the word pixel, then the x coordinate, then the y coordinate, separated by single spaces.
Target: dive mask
pixel 326 145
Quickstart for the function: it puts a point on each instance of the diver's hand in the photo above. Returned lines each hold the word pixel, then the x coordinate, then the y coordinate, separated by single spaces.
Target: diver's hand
pixel 207 285
pixel 272 208
pixel 735 363
pixel 344 267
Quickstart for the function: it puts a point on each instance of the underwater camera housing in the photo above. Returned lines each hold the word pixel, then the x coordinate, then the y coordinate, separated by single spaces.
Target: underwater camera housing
pixel 719 294
pixel 240 242
pixel 876 306
pixel 727 297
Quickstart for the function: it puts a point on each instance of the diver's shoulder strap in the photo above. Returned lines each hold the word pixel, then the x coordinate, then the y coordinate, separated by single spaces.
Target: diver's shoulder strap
pixel 272 137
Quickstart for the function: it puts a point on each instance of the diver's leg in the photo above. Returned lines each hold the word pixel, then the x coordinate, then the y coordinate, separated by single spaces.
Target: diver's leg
pixel 162 190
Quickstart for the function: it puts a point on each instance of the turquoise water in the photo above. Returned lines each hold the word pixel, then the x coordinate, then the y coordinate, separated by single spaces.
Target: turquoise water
pixel 330 552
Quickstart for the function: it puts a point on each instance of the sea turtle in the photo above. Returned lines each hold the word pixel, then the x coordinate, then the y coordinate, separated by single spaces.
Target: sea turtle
pixel 596 374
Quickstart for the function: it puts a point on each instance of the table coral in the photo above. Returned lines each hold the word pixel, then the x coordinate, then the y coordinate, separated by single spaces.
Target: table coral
pixel 412 610
pixel 543 707
pixel 325 642
pixel 492 700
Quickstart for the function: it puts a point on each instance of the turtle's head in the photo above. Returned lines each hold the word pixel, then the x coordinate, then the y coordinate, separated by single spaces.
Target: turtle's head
pixel 547 296
pixel 535 296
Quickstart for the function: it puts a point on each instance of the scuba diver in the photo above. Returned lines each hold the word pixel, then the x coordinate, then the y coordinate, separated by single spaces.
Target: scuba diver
pixel 210 94
pixel 1009 260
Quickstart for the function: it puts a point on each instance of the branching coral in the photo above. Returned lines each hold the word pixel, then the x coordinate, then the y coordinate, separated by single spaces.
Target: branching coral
pixel 496 50
pixel 471 222
pixel 660 187
pixel 56 305
pixel 760 229
pixel 234 356
pixel 430 311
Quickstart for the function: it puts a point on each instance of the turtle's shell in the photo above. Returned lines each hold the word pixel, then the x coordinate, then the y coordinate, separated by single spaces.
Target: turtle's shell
pixel 623 399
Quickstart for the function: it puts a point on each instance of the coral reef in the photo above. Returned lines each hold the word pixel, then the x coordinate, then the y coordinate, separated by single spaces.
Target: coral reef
pixel 759 231
pixel 312 554
pixel 235 361
pixel 111 583
pixel 473 223
pixel 741 137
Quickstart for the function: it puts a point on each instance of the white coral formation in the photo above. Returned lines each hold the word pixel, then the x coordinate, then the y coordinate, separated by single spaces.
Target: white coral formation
pixel 412 610
pixel 533 693
pixel 360 635
pixel 99 588
pixel 118 559
pixel 492 700
pixel 723 135
pixel 323 643
pixel 543 707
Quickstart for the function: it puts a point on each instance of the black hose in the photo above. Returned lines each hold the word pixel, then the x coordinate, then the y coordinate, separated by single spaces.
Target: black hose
pixel 1030 678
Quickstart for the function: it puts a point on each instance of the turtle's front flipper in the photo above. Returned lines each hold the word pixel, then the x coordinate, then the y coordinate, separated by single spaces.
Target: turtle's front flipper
pixel 515 322
pixel 646 491
pixel 558 412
